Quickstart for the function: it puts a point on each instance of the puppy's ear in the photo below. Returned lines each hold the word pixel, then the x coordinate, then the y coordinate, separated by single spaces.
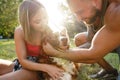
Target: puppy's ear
pixel 63 32
pixel 54 40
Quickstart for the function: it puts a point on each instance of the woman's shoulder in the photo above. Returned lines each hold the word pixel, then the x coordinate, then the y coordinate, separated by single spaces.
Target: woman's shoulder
pixel 18 28
pixel 18 31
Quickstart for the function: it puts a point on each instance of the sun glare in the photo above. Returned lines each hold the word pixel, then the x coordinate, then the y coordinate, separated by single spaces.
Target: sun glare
pixel 55 17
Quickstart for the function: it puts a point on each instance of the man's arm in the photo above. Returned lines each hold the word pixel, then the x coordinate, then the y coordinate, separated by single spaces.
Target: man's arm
pixel 104 41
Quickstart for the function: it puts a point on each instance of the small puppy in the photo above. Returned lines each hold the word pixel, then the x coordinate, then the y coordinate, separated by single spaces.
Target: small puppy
pixel 57 40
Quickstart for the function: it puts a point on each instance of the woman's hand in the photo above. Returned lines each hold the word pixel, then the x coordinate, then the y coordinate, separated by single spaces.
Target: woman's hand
pixel 53 71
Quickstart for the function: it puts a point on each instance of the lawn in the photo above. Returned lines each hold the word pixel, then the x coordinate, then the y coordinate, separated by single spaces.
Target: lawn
pixel 7 51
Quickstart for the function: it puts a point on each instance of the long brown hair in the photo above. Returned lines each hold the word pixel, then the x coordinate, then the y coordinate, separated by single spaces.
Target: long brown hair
pixel 26 11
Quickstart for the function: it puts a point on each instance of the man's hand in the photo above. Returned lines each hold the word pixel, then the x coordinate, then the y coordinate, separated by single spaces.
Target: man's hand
pixel 49 50
pixel 64 48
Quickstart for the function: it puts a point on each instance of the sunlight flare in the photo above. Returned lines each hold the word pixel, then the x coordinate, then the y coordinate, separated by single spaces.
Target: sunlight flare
pixel 55 16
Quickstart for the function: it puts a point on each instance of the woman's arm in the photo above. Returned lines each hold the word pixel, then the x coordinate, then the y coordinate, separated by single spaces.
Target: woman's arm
pixel 21 51
pixel 53 71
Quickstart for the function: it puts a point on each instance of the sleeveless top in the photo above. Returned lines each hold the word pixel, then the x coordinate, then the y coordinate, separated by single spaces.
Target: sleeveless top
pixel 92 29
pixel 33 50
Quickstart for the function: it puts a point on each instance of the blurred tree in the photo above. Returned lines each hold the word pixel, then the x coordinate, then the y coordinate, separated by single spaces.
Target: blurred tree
pixel 8 17
pixel 70 21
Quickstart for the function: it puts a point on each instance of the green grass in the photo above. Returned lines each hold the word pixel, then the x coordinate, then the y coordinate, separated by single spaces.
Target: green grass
pixel 7 51
pixel 89 69
pixel 113 59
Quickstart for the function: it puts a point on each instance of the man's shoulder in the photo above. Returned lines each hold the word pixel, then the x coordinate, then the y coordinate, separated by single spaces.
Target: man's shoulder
pixel 112 16
pixel 114 7
pixel 118 1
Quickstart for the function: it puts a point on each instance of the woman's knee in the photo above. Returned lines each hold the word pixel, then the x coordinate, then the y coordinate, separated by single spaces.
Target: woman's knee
pixel 22 74
pixel 32 75
pixel 6 66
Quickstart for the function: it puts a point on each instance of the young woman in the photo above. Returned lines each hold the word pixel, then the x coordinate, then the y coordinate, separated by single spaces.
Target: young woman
pixel 29 37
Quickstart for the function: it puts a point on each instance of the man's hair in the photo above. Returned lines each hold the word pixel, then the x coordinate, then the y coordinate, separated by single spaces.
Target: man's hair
pixel 68 1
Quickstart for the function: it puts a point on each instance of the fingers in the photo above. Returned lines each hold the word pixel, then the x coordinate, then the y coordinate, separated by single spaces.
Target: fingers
pixel 45 46
pixel 57 74
pixel 49 50
pixel 45 43
pixel 64 47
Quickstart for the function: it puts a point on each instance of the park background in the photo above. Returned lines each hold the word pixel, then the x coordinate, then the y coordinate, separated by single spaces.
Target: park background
pixel 59 16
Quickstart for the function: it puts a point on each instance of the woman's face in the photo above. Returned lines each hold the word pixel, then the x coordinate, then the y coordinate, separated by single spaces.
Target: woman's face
pixel 40 20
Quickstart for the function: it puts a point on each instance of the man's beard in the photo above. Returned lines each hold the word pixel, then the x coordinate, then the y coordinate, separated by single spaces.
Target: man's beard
pixel 93 18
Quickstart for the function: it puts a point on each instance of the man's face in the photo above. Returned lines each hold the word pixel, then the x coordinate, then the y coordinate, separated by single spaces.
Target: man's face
pixel 84 10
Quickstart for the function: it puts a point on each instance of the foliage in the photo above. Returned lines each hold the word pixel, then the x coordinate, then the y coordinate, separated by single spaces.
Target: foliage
pixel 70 21
pixel 8 17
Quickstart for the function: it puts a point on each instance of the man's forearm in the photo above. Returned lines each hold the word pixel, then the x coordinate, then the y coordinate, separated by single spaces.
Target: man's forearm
pixel 77 55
